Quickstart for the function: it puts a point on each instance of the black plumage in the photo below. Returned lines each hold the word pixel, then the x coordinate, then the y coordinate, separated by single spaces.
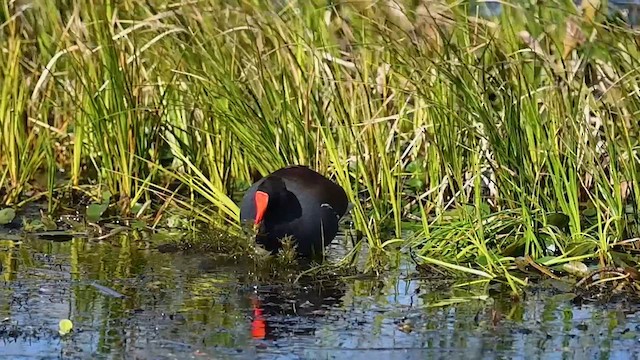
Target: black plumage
pixel 301 203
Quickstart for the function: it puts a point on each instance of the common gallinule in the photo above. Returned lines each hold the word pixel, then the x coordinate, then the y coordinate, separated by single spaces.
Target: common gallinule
pixel 295 201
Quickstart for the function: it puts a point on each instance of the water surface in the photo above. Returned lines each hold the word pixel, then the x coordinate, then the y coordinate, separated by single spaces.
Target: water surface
pixel 130 302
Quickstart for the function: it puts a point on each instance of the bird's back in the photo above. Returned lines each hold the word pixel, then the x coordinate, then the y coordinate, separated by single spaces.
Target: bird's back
pixel 313 187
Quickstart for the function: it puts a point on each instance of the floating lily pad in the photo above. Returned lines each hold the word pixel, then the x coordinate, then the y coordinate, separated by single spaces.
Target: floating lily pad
pixel 65 326
pixel 565 297
pixel 7 215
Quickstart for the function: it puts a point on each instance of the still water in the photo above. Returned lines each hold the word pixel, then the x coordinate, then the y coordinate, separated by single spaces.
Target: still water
pixel 133 303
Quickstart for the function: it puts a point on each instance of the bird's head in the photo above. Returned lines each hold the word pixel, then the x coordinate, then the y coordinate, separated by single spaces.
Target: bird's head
pixel 267 193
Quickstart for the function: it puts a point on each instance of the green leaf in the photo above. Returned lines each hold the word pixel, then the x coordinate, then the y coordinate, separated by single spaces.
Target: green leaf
pixel 31 226
pixel 135 208
pixel 485 209
pixel 65 326
pixel 544 259
pixel 95 211
pixel 7 215
pixel 566 297
pixel 558 219
pixel 175 221
pixel 138 224
pixel 576 268
pixel 106 197
pixel 416 183
pixel 48 222
pixel 416 166
pixel 581 248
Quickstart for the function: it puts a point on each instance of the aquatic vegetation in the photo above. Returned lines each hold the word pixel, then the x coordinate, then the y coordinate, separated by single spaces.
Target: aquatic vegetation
pixel 473 143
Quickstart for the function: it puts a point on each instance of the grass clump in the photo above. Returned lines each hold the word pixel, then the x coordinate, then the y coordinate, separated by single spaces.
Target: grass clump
pixel 473 141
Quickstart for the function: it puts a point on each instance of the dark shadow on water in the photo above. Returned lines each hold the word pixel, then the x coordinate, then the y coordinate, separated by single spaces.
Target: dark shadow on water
pixel 127 301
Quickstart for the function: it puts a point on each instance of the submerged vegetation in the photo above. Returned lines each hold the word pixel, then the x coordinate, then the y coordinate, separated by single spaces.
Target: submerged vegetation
pixel 486 146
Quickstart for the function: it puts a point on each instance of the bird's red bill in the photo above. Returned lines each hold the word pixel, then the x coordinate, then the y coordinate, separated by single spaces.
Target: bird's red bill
pixel 262 200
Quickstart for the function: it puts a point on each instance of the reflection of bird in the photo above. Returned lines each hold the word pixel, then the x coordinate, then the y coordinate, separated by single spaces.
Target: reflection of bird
pixel 295 201
pixel 273 309
pixel 258 325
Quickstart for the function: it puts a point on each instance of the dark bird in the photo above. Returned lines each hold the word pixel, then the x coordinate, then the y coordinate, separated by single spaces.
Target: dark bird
pixel 295 201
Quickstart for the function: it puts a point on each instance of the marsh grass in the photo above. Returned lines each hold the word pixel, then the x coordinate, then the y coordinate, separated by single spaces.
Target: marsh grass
pixel 473 142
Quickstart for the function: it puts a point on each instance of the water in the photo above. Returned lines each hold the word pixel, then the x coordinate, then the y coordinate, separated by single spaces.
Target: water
pixel 629 10
pixel 128 302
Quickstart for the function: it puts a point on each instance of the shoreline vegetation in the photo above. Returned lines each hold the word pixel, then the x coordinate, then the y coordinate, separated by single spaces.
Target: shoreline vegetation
pixel 493 146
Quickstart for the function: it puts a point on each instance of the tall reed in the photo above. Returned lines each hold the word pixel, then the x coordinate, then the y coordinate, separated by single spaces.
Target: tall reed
pixel 471 141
